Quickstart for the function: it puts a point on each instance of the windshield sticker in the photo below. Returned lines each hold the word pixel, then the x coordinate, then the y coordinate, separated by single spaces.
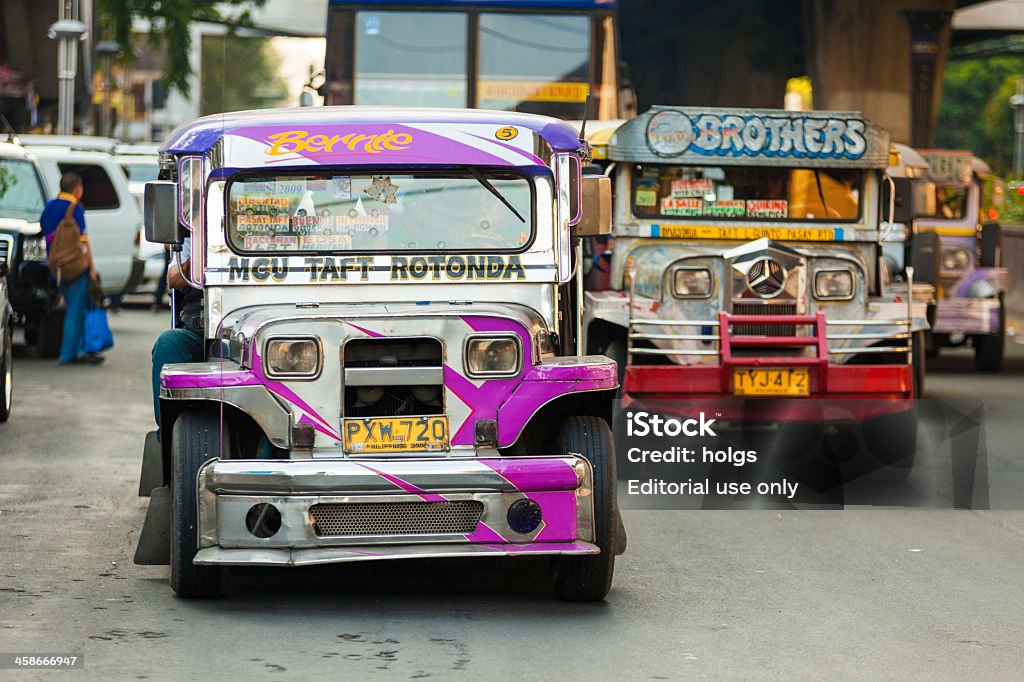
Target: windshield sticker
pixel 671 133
pixel 328 269
pixel 327 242
pixel 341 187
pixel 270 243
pixel 646 197
pixel 733 208
pixel 796 234
pixel 767 208
pixel 691 188
pixel 383 190
pixel 682 207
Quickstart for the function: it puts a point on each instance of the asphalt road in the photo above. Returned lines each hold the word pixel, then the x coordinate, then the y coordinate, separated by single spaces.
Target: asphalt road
pixel 863 593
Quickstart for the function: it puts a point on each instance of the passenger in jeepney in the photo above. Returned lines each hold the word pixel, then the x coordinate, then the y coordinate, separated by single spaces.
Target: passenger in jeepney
pixel 183 343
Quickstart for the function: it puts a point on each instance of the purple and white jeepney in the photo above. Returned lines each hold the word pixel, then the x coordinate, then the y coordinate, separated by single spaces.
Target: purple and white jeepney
pixel 960 252
pixel 392 316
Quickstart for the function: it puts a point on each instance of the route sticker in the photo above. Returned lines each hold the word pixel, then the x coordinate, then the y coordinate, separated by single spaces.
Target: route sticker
pixel 507 133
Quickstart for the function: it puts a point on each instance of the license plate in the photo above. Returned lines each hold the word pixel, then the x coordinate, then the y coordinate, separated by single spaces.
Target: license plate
pixel 786 382
pixel 396 434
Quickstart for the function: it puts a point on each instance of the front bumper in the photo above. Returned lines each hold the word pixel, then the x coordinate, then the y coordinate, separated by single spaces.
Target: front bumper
pixel 967 316
pixel 321 504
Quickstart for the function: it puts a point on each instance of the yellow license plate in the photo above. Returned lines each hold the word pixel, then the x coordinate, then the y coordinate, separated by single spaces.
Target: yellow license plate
pixel 785 382
pixel 396 434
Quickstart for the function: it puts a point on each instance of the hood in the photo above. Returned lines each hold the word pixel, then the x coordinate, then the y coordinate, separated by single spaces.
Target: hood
pixel 19 226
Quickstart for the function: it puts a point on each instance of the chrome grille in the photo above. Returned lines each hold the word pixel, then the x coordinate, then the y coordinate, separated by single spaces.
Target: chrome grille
pixel 395 518
pixel 6 246
pixel 764 329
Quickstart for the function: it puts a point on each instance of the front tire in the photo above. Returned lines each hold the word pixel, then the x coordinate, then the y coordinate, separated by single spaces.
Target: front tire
pixel 196 439
pixel 6 377
pixel 589 577
pixel 990 348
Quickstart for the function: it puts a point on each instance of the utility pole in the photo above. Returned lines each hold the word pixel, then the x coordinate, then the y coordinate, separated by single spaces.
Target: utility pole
pixel 68 30
pixel 1017 104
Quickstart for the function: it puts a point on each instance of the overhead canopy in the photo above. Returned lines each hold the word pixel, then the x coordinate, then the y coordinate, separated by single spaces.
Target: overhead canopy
pixel 751 137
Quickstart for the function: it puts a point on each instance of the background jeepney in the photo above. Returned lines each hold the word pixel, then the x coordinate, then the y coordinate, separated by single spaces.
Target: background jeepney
pixel 748 262
pixel 392 307
pixel 960 252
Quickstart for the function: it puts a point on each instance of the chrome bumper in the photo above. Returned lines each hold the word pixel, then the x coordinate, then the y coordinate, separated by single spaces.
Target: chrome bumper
pixel 230 489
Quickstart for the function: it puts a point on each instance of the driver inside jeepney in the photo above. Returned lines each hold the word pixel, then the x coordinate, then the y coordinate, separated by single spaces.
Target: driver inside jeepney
pixel 747 193
pixel 383 212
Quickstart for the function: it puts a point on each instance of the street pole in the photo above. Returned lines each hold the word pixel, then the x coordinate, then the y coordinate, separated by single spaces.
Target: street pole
pixel 1017 104
pixel 67 30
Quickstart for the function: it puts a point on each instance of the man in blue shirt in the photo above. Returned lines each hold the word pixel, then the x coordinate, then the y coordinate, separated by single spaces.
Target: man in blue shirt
pixel 74 291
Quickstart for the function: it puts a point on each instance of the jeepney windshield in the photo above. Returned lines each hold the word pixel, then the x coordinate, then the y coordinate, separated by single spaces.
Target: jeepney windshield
pixel 21 193
pixel 951 202
pixel 411 211
pixel 747 193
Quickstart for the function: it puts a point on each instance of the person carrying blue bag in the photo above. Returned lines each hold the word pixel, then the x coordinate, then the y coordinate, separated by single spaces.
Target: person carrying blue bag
pixel 97 337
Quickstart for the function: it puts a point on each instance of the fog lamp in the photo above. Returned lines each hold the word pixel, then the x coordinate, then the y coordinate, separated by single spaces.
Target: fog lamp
pixel 692 282
pixel 292 357
pixel 524 516
pixel 492 355
pixel 833 285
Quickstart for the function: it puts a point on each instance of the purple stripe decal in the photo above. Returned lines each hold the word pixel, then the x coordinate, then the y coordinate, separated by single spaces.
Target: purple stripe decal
pixel 559 510
pixel 535 474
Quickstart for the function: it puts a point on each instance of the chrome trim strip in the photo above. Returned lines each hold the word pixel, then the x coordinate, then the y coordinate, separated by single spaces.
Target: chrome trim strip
pixel 393 376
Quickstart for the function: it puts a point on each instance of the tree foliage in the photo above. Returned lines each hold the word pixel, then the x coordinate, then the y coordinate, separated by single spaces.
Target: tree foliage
pixel 238 73
pixel 975 111
pixel 169 27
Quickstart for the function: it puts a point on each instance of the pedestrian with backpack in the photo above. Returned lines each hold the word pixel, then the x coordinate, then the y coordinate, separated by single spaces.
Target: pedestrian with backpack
pixel 70 260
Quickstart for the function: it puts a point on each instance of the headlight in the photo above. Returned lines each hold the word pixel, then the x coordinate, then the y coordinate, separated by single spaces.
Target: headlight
pixel 292 357
pixel 34 249
pixel 834 285
pixel 956 259
pixel 492 355
pixel 692 282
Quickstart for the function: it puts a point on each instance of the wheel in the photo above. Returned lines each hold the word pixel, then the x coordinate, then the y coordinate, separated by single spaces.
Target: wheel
pixel 196 439
pixel 989 348
pixel 918 354
pixel 6 377
pixel 49 331
pixel 892 439
pixel 589 577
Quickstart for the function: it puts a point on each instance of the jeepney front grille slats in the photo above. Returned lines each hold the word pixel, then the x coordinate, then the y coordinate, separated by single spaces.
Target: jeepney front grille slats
pixel 6 248
pixel 764 329
pixel 395 518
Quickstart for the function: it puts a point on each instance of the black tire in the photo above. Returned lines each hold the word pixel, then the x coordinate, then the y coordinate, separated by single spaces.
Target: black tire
pixel 589 577
pixel 196 439
pixel 49 331
pixel 990 348
pixel 918 355
pixel 6 376
pixel 892 439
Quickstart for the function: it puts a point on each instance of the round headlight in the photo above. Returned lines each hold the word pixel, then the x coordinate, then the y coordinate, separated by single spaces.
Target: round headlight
pixel 492 356
pixel 956 259
pixel 692 283
pixel 292 357
pixel 833 284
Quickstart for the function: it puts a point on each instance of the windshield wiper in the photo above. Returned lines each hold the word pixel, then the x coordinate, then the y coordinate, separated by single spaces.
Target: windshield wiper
pixel 478 176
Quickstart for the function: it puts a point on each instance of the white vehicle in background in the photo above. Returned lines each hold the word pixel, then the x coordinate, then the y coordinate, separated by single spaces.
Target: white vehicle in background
pixel 112 215
pixel 139 163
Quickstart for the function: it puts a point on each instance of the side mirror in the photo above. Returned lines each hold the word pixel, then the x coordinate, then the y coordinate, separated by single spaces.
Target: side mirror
pixel 596 218
pixel 160 213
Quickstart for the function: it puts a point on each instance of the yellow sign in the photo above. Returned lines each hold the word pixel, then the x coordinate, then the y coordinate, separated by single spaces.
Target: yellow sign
pixel 507 133
pixel 794 234
pixel 777 382
pixel 534 91
pixel 396 434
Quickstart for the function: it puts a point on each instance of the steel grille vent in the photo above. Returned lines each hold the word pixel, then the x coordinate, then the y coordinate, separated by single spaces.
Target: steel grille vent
pixel 764 329
pixel 395 518
pixel 6 246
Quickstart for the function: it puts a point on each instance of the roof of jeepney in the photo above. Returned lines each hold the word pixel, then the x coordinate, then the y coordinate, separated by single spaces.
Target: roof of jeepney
pixel 751 137
pixel 449 134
